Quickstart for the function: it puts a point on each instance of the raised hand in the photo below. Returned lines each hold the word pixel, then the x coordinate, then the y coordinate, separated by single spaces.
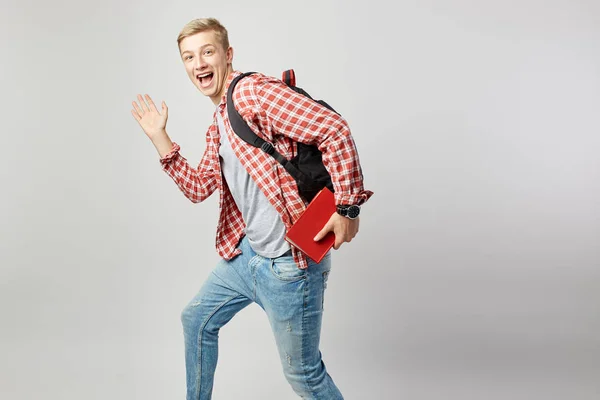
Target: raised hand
pixel 150 119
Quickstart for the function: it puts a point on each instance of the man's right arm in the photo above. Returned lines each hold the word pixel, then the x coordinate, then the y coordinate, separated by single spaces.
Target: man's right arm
pixel 197 184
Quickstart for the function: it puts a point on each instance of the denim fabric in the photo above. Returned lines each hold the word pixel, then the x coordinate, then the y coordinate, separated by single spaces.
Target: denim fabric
pixel 293 300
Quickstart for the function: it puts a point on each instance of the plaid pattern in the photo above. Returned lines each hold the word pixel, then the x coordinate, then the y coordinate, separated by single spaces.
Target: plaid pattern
pixel 281 116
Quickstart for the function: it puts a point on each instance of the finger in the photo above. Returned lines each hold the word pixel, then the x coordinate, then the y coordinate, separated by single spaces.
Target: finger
pixel 152 106
pixel 135 115
pixel 143 103
pixel 138 109
pixel 323 232
pixel 337 244
pixel 320 235
pixel 339 239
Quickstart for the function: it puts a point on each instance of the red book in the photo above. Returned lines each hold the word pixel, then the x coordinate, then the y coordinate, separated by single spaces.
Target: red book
pixel 312 220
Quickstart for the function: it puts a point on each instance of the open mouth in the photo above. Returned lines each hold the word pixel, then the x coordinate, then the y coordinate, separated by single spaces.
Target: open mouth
pixel 205 79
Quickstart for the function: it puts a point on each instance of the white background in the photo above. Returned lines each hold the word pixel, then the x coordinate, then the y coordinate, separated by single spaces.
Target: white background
pixel 476 271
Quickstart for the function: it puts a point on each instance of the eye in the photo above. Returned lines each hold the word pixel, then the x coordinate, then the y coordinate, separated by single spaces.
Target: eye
pixel 208 52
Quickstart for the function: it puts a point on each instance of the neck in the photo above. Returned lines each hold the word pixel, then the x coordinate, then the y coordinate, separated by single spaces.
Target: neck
pixel 217 98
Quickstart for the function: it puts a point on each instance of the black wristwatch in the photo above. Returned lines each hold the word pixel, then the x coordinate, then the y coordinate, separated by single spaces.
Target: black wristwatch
pixel 348 211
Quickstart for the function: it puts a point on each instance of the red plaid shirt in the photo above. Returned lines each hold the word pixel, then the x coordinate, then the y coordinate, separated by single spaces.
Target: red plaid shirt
pixel 281 116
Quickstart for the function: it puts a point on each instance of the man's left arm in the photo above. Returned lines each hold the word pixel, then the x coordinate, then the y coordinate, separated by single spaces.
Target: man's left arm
pixel 304 120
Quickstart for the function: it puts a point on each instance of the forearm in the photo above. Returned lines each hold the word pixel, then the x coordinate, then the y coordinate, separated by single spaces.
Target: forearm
pixel 163 144
pixel 197 184
pixel 340 158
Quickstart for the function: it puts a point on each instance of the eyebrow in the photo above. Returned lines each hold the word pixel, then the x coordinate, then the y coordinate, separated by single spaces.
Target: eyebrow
pixel 201 47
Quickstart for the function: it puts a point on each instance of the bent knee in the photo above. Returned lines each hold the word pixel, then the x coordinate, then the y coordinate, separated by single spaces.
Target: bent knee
pixel 190 312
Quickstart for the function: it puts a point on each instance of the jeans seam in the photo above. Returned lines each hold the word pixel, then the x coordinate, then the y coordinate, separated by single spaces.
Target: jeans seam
pixel 252 264
pixel 199 355
pixel 302 337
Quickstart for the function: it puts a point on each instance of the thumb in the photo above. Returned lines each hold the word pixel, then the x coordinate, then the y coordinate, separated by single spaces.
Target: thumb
pixel 164 107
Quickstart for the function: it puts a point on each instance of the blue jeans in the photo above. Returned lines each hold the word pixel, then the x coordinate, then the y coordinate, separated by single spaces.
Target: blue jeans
pixel 293 300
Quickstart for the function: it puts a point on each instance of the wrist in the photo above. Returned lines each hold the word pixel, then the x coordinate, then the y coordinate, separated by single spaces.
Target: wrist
pixel 163 144
pixel 351 211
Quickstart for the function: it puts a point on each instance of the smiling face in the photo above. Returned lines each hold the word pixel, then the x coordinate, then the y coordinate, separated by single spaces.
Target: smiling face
pixel 207 63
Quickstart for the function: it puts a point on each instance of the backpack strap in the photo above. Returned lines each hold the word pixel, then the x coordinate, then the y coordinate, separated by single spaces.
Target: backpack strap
pixel 241 128
pixel 237 122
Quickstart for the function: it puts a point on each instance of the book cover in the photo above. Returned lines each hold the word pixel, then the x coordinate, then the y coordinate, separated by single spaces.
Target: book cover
pixel 312 220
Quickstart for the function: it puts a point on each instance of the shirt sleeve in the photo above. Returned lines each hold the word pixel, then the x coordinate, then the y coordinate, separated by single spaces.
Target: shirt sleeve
pixel 268 100
pixel 197 184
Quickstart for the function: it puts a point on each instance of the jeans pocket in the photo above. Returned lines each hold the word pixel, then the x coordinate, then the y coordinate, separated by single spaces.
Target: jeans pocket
pixel 285 269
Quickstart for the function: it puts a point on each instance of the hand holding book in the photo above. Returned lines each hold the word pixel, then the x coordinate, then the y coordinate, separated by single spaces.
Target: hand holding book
pixel 344 229
pixel 320 227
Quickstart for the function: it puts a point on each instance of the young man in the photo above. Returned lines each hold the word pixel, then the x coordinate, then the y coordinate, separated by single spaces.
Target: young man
pixel 259 201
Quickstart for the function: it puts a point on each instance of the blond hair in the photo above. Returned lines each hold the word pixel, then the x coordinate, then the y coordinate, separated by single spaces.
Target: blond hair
pixel 202 25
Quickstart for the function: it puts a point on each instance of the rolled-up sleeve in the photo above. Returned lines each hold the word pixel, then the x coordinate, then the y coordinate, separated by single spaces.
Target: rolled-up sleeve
pixel 197 184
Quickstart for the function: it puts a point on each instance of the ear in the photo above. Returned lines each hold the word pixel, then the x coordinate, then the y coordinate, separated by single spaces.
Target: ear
pixel 229 55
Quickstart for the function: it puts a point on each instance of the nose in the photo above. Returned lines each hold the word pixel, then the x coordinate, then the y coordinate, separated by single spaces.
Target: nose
pixel 199 63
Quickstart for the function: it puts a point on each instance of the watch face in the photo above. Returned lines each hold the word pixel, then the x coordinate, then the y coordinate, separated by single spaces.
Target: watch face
pixel 353 211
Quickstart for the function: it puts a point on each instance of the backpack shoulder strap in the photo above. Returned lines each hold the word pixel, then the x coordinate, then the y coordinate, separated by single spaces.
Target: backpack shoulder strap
pixel 237 122
pixel 241 128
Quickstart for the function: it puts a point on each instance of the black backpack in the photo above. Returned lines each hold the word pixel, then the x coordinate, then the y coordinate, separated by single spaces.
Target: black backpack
pixel 307 166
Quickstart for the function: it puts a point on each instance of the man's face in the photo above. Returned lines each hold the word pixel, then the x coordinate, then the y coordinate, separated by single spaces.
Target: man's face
pixel 207 64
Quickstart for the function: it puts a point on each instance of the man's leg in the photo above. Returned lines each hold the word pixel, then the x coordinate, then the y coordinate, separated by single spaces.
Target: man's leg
pixel 293 300
pixel 227 290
